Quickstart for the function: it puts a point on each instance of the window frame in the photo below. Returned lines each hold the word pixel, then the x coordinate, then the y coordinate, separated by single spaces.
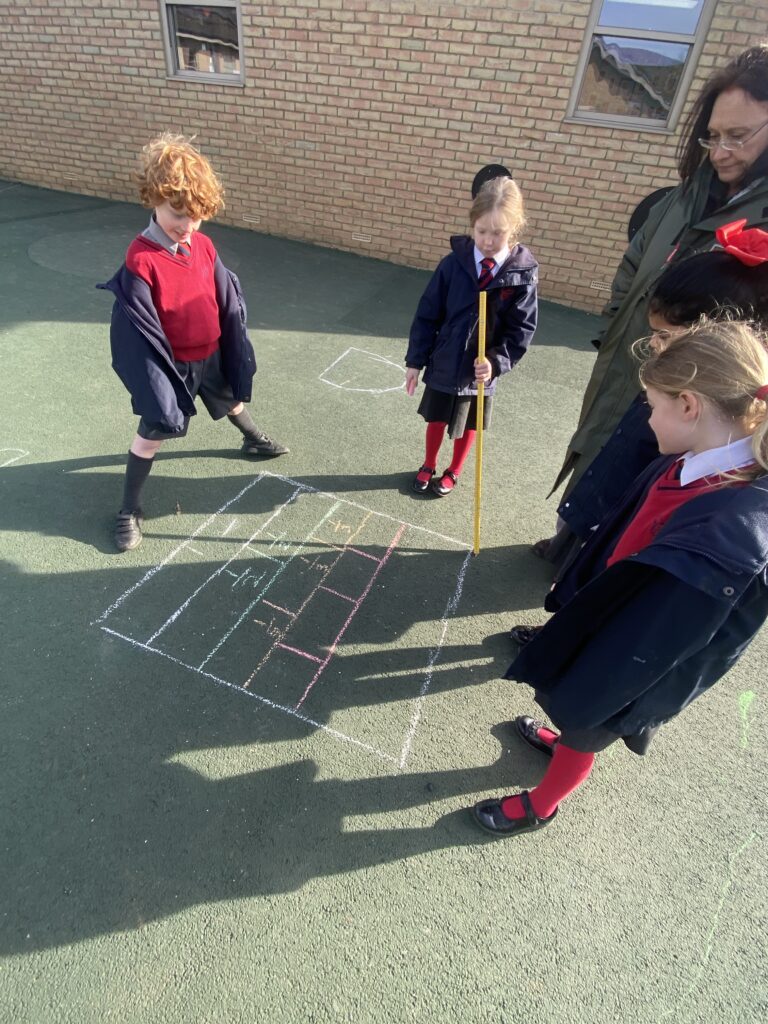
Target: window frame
pixel 182 74
pixel 695 40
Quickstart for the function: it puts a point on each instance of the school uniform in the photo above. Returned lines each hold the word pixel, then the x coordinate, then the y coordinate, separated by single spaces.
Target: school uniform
pixel 636 638
pixel 443 336
pixel 178 329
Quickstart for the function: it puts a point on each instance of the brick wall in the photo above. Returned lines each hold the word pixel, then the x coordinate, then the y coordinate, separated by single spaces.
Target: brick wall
pixel 357 118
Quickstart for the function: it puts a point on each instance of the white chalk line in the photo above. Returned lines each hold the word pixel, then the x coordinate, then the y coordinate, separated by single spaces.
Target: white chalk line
pixel 368 391
pixel 223 568
pixel 255 696
pixel 169 558
pixel 727 885
pixel 20 454
pixel 434 654
pixel 278 572
pixel 365 508
pixel 275 476
pixel 226 635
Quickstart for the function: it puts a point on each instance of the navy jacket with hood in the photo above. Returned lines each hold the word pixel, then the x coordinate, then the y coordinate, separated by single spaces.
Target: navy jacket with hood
pixel 443 335
pixel 629 646
pixel 142 356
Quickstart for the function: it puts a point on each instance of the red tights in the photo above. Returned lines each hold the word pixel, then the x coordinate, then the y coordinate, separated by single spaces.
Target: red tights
pixel 568 770
pixel 461 448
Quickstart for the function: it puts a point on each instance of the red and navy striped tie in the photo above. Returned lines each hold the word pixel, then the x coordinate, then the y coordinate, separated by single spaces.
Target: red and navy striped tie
pixel 486 272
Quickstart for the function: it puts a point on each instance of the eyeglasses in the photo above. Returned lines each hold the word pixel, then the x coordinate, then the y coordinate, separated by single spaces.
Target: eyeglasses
pixel 728 144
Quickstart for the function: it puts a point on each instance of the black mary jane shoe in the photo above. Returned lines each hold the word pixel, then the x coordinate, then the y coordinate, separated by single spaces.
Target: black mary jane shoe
pixel 528 729
pixel 523 634
pixel 420 486
pixel 437 485
pixel 490 817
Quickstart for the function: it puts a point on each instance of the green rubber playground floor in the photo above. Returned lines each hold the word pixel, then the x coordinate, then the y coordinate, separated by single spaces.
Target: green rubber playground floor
pixel 235 763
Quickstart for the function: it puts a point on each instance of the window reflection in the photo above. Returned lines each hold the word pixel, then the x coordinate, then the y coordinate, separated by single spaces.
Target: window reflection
pixel 205 38
pixel 678 16
pixel 632 77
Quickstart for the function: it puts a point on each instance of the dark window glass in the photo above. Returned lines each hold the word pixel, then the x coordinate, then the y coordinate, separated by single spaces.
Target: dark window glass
pixel 631 77
pixel 205 38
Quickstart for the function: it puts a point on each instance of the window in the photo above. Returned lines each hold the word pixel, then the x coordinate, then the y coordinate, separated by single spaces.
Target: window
pixel 637 60
pixel 202 42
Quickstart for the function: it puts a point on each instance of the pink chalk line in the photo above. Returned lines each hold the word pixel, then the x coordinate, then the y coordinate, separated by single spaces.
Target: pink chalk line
pixel 326 572
pixel 303 654
pixel 358 602
pixel 254 696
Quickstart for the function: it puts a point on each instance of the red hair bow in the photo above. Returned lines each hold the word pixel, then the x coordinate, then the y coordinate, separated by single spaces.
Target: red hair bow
pixel 750 246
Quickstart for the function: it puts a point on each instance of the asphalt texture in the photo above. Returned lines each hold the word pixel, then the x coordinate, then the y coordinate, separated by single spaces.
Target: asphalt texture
pixel 237 761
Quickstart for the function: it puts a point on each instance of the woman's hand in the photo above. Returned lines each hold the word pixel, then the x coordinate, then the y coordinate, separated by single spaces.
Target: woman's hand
pixel 411 380
pixel 483 371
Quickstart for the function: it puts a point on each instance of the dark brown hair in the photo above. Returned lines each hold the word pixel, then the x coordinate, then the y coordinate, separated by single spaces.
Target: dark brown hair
pixel 748 71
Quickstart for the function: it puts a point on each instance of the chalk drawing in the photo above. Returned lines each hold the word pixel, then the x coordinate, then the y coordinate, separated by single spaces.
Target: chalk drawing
pixel 271 612
pixel 369 357
pixel 745 700
pixel 7 459
pixel 726 887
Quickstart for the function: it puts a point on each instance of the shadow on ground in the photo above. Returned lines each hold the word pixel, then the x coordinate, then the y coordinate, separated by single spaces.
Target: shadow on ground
pixel 110 832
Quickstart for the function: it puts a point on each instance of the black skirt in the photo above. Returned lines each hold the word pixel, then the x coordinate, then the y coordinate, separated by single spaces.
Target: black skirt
pixel 458 411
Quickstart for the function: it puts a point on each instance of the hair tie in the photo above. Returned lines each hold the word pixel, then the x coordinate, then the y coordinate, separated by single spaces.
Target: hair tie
pixel 762 393
pixel 750 247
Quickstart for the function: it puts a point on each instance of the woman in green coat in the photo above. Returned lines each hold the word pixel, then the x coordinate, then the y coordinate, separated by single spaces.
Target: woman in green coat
pixel 723 166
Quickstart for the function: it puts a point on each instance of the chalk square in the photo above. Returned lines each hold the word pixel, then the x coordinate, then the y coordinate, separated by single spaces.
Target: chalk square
pixel 357 369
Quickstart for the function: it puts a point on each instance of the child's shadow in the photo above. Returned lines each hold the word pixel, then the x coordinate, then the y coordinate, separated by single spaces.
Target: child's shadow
pixel 166 837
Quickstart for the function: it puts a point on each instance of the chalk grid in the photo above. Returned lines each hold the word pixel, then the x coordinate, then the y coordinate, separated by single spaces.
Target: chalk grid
pixel 267 614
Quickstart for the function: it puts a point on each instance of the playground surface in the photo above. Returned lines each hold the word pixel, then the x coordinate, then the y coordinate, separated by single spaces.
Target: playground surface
pixel 236 761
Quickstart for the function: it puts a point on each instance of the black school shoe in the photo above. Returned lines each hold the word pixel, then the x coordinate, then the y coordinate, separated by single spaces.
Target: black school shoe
pixel 128 533
pixel 528 729
pixel 260 444
pixel 523 634
pixel 490 817
pixel 420 486
pixel 437 485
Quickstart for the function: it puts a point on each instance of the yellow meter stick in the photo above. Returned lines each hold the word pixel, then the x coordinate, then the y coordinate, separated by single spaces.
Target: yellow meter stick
pixel 479 423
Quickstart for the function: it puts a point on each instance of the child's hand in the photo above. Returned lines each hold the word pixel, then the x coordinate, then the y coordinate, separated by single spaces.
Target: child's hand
pixel 483 370
pixel 411 380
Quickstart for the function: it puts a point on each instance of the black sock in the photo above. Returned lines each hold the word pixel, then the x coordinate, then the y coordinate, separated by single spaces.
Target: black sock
pixel 136 473
pixel 244 424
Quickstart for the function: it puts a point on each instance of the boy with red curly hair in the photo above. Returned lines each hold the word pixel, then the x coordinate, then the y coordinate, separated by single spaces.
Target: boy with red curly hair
pixel 178 323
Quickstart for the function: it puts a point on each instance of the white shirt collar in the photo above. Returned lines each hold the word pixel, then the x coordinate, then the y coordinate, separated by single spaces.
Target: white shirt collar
pixel 716 460
pixel 501 257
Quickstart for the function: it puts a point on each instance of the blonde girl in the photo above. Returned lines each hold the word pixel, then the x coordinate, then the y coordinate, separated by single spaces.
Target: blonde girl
pixel 443 337
pixel 671 589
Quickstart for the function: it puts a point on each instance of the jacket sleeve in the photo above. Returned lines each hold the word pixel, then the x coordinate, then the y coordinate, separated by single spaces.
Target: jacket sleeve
pixel 605 661
pixel 237 355
pixel 630 262
pixel 515 327
pixel 429 318
pixel 142 372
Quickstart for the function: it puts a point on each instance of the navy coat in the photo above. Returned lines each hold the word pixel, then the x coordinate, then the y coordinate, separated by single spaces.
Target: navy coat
pixel 631 645
pixel 443 335
pixel 630 449
pixel 142 356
